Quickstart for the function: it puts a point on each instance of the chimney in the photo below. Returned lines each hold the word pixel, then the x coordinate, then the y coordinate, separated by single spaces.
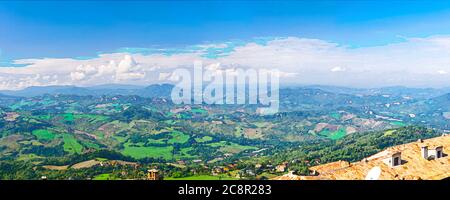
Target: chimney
pixel 439 151
pixel 424 151
pixel 394 159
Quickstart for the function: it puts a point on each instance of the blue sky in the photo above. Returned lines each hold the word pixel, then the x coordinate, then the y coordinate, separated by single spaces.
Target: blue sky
pixel 347 43
pixel 80 29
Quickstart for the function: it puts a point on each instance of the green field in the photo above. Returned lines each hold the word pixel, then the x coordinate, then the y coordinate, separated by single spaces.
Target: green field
pixel 229 147
pixel 101 159
pixel 90 117
pixel 202 177
pixel 102 177
pixel 336 135
pixel 261 124
pixel 91 145
pixel 203 139
pixel 335 115
pixel 184 153
pixel 71 145
pixel 178 137
pixel 47 102
pixel 153 141
pixel 398 124
pixel 139 152
pixel 43 134
pixel 199 111
pixel 27 157
pixel 170 122
pixel 70 117
pixel 21 104
pixel 43 117
pixel 389 132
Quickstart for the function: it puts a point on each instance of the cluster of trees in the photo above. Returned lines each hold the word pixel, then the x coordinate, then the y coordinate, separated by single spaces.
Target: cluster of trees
pixel 300 156
pixel 41 150
pixel 17 170
pixel 351 148
pixel 76 158
pixel 136 112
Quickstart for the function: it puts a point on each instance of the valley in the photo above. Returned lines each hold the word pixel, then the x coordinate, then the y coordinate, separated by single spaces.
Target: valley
pixel 119 132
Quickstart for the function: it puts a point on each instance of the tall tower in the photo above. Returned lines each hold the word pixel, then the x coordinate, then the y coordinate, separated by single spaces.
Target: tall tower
pixel 153 174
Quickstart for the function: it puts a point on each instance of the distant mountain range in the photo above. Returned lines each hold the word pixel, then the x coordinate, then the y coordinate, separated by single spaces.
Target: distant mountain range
pixel 157 90
pixel 421 93
pixel 164 90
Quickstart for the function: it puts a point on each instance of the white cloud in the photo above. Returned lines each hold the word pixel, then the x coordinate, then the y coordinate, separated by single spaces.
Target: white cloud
pixel 164 76
pixel 174 78
pixel 77 76
pixel 107 69
pixel 442 72
pixel 128 69
pixel 338 69
pixel 414 62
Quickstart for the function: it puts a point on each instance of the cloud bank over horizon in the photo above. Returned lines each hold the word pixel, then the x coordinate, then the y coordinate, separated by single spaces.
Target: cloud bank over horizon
pixel 414 62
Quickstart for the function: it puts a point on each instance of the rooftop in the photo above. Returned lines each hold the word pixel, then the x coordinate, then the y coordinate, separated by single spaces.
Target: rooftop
pixel 413 166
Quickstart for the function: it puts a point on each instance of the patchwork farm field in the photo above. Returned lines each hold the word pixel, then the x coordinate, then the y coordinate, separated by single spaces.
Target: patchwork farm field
pixel 43 134
pixel 51 133
pixel 139 152
pixel 230 90
pixel 202 177
pixel 103 177
pixel 227 147
pixel 71 145
pixel 335 135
